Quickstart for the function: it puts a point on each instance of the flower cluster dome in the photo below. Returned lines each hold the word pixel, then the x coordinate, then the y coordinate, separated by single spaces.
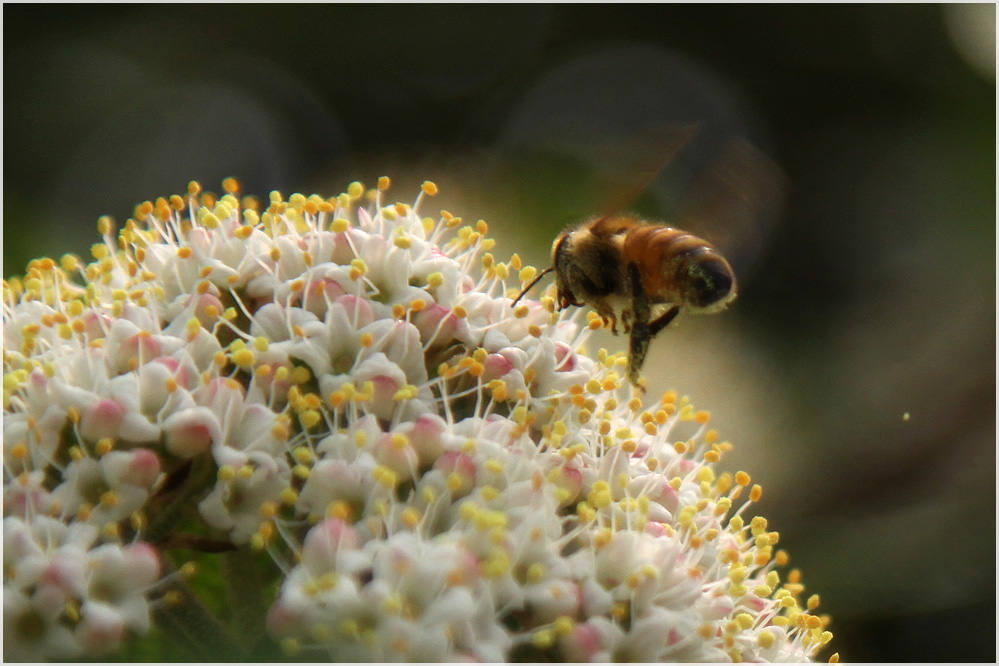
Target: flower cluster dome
pixel 344 385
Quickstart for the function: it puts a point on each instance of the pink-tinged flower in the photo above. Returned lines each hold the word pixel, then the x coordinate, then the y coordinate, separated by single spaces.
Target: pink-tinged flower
pixel 247 480
pixel 32 630
pixel 42 552
pixel 344 384
pixel 101 629
pixel 191 431
pixel 119 578
pixel 27 494
pixel 110 489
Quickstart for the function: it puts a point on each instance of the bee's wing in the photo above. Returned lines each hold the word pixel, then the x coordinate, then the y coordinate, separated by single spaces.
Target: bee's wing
pixel 659 149
pixel 734 202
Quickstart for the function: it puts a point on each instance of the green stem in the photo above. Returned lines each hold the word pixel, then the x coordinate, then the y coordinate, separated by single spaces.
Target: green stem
pixel 201 476
pixel 245 595
pixel 195 629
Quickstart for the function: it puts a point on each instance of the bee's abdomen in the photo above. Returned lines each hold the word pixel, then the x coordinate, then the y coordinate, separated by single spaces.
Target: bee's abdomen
pixel 679 267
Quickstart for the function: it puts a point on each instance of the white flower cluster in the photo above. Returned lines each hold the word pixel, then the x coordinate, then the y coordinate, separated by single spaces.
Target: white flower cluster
pixel 436 474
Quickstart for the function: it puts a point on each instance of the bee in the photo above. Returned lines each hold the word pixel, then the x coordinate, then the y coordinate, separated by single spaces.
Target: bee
pixel 640 272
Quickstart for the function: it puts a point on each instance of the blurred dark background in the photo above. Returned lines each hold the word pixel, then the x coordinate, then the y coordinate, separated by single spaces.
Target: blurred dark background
pixel 843 156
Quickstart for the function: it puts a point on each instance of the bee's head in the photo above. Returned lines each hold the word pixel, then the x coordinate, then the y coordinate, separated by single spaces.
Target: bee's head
pixel 557 256
pixel 561 261
pixel 559 248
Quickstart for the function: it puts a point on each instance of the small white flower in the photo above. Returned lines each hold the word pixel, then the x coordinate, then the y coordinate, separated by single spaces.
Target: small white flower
pixel 101 629
pixel 246 481
pixel 109 489
pixel 31 628
pixel 119 578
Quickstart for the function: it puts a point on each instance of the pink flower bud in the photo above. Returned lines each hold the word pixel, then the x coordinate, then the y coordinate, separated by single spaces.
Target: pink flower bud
pixel 95 325
pixel 583 644
pixel 101 629
pixel 201 309
pixel 140 348
pixel 102 419
pixel 571 480
pixel 425 436
pixel 320 294
pixel 191 431
pixel 286 619
pixel 352 304
pixel 497 366
pixel 325 541
pixel 460 465
pixel 66 572
pixel 143 469
pixel 396 453
pixel 438 326
pixel 565 358
pixel 143 562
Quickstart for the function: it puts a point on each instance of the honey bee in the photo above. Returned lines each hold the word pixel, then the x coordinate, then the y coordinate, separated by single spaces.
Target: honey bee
pixel 641 272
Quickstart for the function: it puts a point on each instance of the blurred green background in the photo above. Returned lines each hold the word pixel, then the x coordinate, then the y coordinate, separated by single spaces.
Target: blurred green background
pixel 844 158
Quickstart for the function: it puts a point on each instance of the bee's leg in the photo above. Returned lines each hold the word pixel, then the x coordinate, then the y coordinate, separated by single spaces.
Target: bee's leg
pixel 641 330
pixel 639 346
pixel 626 320
pixel 560 300
pixel 664 321
pixel 608 317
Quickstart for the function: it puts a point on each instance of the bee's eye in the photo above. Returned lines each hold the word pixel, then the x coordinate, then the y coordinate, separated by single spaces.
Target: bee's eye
pixel 711 282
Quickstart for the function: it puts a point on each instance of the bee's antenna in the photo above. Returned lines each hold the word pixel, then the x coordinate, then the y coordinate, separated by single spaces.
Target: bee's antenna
pixel 533 282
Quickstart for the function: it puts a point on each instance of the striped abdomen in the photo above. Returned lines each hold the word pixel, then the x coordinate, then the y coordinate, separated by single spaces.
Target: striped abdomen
pixel 680 268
